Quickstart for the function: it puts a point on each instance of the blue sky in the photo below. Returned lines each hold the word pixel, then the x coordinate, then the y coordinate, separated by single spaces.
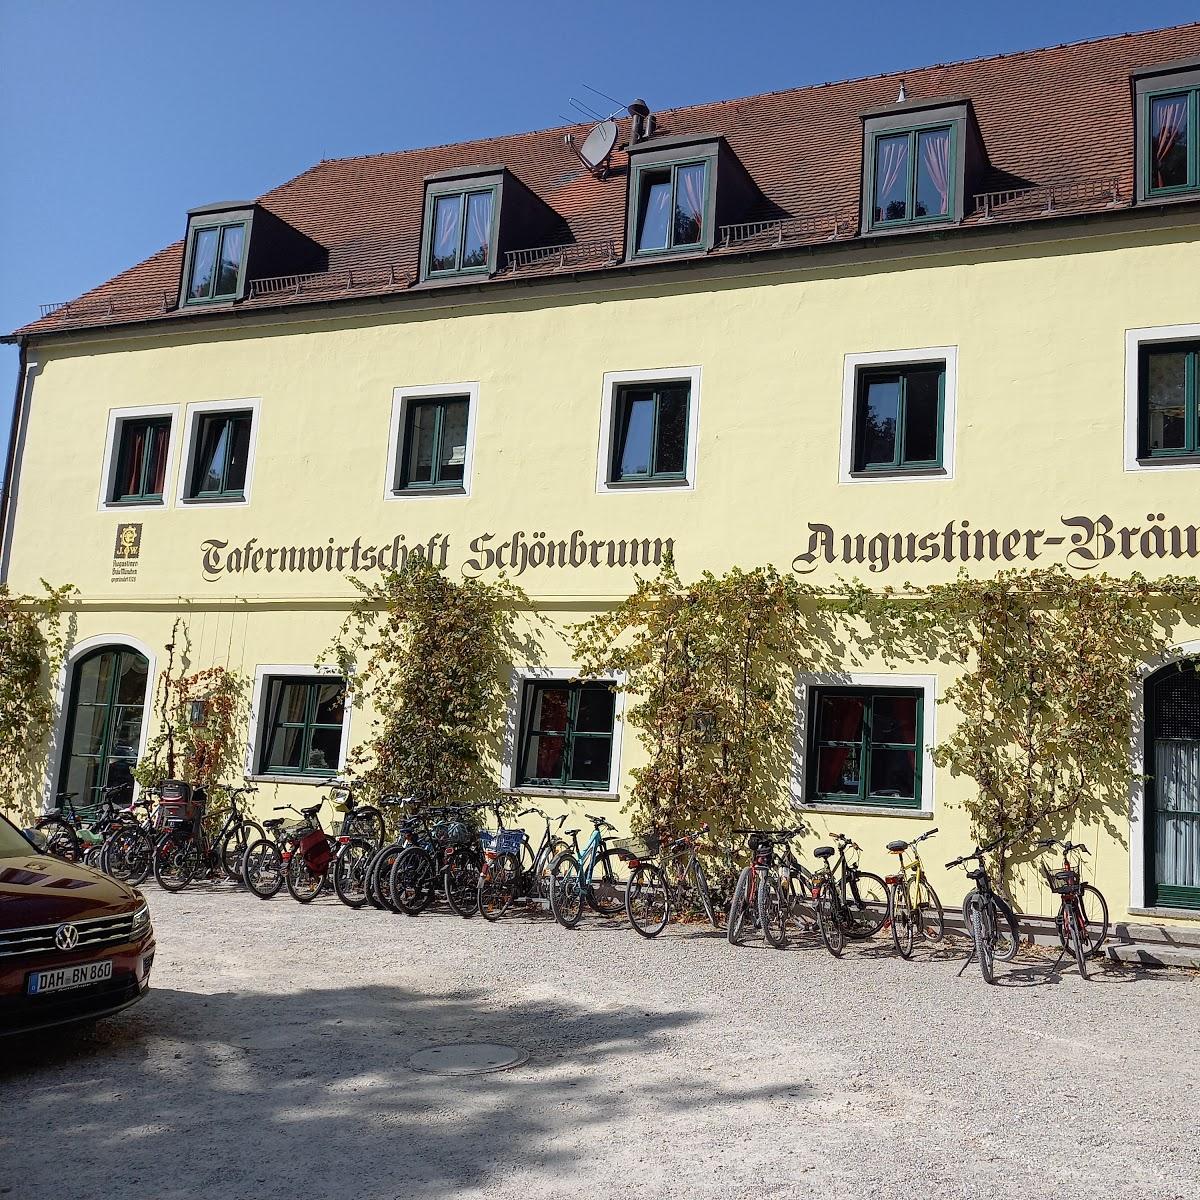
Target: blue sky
pixel 119 116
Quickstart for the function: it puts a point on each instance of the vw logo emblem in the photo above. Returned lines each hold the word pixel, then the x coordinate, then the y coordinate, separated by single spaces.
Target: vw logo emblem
pixel 66 937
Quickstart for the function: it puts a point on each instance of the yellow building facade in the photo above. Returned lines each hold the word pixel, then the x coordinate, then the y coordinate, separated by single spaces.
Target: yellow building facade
pixel 1038 332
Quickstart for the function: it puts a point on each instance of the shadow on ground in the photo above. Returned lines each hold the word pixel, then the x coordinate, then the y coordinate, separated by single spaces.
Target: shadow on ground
pixel 308 1094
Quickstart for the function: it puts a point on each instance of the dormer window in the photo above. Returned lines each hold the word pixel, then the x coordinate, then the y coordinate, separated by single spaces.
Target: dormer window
pixel 913 175
pixel 920 159
pixel 461 238
pixel 1167 114
pixel 671 207
pixel 217 255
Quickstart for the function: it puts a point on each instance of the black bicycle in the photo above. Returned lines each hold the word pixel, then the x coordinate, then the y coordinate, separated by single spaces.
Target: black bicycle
pixel 185 848
pixel 658 890
pixel 1082 919
pixel 988 917
pixel 763 895
pixel 512 870
pixel 850 902
pixel 264 861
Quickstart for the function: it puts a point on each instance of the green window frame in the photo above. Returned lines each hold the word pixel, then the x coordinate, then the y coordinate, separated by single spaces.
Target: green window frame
pixel 140 471
pixel 1189 400
pixel 563 737
pixel 226 265
pixel 433 426
pixel 660 412
pixel 464 203
pixel 913 175
pixel 1191 99
pixel 297 726
pixel 864 757
pixel 220 452
pixel 911 432
pixel 646 176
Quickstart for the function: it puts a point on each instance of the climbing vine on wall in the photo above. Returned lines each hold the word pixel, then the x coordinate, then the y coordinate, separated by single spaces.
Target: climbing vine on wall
pixel 1041 708
pixel 202 722
pixel 710 669
pixel 430 656
pixel 33 635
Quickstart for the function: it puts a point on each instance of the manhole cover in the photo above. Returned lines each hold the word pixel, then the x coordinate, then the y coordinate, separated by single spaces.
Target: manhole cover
pixel 467 1058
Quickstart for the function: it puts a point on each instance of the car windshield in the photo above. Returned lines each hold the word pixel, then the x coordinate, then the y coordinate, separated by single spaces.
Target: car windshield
pixel 12 844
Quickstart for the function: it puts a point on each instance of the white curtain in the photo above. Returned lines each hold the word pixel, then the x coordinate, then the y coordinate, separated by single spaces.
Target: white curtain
pixel 1177 820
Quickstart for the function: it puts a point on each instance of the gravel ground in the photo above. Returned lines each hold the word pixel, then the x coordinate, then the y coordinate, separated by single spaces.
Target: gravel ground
pixel 270 1060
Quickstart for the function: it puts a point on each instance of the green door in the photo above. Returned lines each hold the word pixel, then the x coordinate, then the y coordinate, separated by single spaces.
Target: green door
pixel 1172 835
pixel 104 721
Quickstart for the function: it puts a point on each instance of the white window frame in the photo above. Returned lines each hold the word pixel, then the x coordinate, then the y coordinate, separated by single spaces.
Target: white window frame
pixel 512 734
pixel 401 398
pixel 257 715
pixel 928 737
pixel 191 420
pixel 112 445
pixel 1135 339
pixel 608 404
pixel 853 364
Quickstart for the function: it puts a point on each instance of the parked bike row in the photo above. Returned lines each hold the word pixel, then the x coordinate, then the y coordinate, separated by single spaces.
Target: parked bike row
pixel 439 853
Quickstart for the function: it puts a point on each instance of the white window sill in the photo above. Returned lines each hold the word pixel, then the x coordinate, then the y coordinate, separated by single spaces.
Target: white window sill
pixel 866 810
pixel 565 793
pixel 304 780
pixel 1177 914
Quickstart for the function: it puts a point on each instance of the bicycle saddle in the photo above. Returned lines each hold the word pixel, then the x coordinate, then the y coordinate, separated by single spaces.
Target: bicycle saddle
pixel 897 847
pixel 312 809
pixel 978 873
pixel 273 823
pixel 823 852
pixel 570 832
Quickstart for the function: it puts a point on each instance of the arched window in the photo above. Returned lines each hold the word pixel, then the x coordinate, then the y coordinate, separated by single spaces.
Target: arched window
pixel 1172 835
pixel 107 699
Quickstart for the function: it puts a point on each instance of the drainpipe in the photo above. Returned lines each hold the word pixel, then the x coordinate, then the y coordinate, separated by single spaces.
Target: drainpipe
pixel 10 466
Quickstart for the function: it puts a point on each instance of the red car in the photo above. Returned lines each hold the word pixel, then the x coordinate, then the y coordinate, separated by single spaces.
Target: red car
pixel 74 943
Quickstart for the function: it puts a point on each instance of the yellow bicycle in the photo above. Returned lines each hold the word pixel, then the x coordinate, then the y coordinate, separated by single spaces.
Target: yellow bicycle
pixel 913 905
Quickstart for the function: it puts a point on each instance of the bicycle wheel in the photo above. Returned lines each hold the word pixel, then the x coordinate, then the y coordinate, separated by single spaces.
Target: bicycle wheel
pixel 737 908
pixel 497 886
pixel 303 883
pixel 930 920
pixel 773 908
pixel 830 920
pixel 460 882
pixel 61 839
pixel 1094 908
pixel 648 900
pixel 262 868
pixel 350 872
pixel 128 855
pixel 705 897
pixel 902 919
pixel 566 892
pixel 1007 932
pixel 1077 932
pixel 411 880
pixel 983 942
pixel 866 905
pixel 233 849
pixel 176 861
pixel 604 892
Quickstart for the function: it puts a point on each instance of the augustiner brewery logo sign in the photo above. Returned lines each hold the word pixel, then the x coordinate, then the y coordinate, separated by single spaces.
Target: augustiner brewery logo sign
pixel 513 553
pixel 127 549
pixel 1090 542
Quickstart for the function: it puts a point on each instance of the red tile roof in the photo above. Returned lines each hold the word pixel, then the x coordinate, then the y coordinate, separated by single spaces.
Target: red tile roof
pixel 1045 116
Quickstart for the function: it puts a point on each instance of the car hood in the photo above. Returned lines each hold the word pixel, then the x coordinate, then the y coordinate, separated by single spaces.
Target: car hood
pixel 36 889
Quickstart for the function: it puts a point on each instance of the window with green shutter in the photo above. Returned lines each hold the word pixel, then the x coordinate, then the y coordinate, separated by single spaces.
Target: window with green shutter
pixel 303 721
pixel 1169 400
pixel 566 735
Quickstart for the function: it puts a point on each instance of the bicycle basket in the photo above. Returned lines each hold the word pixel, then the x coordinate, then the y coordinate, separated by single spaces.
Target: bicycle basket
pixel 635 847
pixel 507 841
pixel 178 802
pixel 1061 881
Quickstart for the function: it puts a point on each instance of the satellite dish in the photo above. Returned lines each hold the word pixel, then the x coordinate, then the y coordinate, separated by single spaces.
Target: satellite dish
pixel 598 145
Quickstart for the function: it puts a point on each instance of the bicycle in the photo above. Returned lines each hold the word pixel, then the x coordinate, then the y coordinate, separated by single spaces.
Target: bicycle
pixel 653 893
pixel 850 902
pixel 762 893
pixel 263 862
pixel 185 847
pixel 361 834
pixel 307 859
pixel 512 869
pixel 66 831
pixel 590 876
pixel 912 903
pixel 989 919
pixel 1082 919
pixel 128 850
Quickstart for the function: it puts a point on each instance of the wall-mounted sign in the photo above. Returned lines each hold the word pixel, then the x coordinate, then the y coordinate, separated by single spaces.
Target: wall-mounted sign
pixel 126 552
pixel 1091 541
pixel 513 553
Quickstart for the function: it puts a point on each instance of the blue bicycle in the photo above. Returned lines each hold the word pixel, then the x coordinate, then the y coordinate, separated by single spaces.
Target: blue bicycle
pixel 592 877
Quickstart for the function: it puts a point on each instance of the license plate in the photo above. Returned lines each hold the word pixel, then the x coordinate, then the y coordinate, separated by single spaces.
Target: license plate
pixel 64 978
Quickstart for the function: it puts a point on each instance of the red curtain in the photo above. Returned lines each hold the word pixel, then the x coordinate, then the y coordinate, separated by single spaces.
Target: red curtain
pixel 132 483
